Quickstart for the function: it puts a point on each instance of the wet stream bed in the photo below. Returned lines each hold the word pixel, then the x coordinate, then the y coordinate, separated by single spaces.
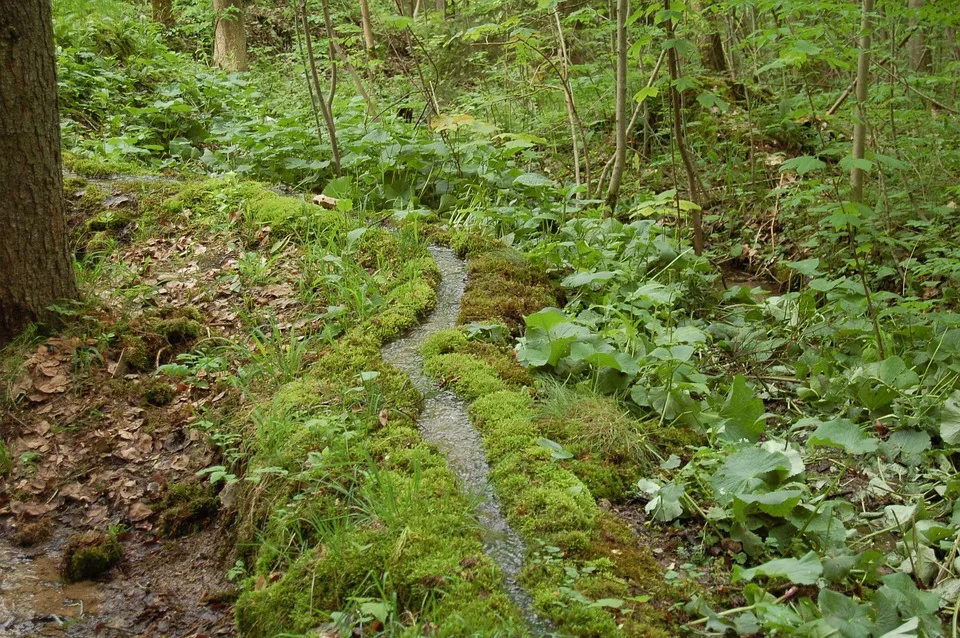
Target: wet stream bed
pixel 445 423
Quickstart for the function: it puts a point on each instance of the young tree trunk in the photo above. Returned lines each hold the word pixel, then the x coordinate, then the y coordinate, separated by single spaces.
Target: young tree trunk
pixel 620 157
pixel 229 36
pixel 163 13
pixel 368 41
pixel 920 56
pixel 35 264
pixel 863 86
pixel 325 103
pixel 676 102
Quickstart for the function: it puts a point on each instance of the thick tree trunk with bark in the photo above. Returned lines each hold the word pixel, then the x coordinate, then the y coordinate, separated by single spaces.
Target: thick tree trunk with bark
pixel 230 36
pixel 711 51
pixel 163 12
pixel 35 265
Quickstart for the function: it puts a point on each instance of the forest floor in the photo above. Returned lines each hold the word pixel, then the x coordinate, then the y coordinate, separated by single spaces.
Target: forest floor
pixel 104 446
pixel 109 446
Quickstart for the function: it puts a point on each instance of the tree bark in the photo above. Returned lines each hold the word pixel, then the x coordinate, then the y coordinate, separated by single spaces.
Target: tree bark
pixel 229 36
pixel 368 41
pixel 921 58
pixel 163 13
pixel 863 86
pixel 35 264
pixel 711 50
pixel 676 103
pixel 620 156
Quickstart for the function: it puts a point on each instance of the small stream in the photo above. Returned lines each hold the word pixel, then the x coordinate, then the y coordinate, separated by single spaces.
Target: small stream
pixel 445 423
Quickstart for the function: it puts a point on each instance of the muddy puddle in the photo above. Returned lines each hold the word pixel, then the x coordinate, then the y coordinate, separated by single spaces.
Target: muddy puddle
pixel 445 423
pixel 34 601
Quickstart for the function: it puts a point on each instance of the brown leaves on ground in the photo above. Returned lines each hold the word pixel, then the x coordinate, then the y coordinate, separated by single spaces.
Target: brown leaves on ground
pixel 47 372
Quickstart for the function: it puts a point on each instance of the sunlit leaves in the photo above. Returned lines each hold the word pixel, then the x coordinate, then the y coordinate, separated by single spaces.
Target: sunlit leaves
pixel 843 434
pixel 801 571
pixel 802 165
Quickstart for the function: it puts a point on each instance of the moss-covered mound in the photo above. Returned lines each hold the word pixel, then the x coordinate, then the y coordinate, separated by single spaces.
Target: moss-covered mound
pixel 90 555
pixel 349 510
pixel 504 287
pixel 578 554
pixel 185 509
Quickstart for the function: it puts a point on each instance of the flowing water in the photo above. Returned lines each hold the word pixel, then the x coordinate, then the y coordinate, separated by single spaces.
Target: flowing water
pixel 445 423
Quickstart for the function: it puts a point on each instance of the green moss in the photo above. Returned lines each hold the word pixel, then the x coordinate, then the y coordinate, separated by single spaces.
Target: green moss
pixel 500 360
pixel 469 375
pixel 290 214
pixel 186 508
pixel 100 166
pixel 504 288
pixel 611 449
pixel 90 555
pixel 178 330
pixel 111 221
pixel 470 244
pixel 101 242
pixel 374 508
pixel 550 502
pixel 158 392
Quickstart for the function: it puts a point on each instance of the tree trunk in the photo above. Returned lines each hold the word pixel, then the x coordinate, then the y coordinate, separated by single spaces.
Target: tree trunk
pixel 325 103
pixel 35 264
pixel 368 40
pixel 920 56
pixel 620 156
pixel 229 36
pixel 676 103
pixel 163 13
pixel 711 42
pixel 863 86
pixel 711 51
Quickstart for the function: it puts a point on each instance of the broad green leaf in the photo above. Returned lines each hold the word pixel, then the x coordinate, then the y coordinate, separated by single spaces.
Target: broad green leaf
pixel 546 319
pixel 708 100
pixel 665 505
pixel 743 413
pixel 846 616
pixel 583 278
pixel 667 14
pixel 688 334
pixel 748 469
pixel 644 93
pixel 777 503
pixel 339 187
pixel 395 22
pixel 950 419
pixel 802 165
pixel 807 267
pixel 800 571
pixel 843 434
pixel 377 609
pixel 891 162
pixel 534 180
pixel 849 162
